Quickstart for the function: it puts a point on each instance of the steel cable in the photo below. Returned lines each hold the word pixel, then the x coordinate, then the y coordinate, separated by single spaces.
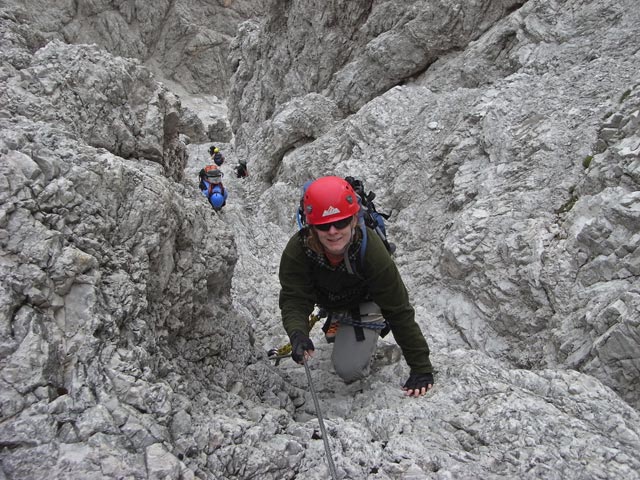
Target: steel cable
pixel 332 467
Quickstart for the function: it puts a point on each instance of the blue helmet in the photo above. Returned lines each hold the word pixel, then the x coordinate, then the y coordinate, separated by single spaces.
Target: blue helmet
pixel 216 199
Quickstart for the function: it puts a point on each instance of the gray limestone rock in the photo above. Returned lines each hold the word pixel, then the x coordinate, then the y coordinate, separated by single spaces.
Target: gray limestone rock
pixel 134 320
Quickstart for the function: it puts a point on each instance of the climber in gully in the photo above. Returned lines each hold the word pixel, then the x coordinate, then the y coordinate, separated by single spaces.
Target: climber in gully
pixel 363 295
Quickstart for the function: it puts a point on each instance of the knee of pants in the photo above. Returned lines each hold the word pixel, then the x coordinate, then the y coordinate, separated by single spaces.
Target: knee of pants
pixel 348 374
pixel 351 372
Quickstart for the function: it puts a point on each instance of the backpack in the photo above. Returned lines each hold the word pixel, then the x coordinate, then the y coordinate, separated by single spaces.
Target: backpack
pixel 218 159
pixel 206 170
pixel 241 169
pixel 206 173
pixel 300 218
pixel 368 216
pixel 214 176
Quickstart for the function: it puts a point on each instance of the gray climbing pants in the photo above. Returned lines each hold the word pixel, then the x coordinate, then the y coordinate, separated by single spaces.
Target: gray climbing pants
pixel 352 358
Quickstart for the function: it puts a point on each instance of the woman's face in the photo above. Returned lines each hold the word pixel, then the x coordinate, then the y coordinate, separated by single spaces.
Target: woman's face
pixel 335 240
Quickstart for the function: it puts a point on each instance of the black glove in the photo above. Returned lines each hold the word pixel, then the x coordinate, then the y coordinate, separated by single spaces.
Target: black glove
pixel 300 343
pixel 417 381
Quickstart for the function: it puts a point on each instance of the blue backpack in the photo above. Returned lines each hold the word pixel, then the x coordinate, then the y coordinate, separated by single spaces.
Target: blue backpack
pixel 370 217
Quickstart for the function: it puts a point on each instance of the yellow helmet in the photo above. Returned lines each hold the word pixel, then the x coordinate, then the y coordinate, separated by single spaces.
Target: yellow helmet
pixel 216 150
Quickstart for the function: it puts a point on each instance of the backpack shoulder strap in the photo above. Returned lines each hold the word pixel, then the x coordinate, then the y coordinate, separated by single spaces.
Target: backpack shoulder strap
pixel 363 249
pixel 363 244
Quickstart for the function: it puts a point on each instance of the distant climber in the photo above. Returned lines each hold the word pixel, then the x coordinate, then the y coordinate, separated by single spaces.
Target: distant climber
pixel 211 186
pixel 241 169
pixel 216 156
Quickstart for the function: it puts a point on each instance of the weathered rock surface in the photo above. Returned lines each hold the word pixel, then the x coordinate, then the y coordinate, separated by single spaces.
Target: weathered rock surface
pixel 511 165
pixel 133 320
pixel 186 42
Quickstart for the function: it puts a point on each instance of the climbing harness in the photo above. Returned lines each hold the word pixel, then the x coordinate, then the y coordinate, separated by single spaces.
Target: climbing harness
pixel 354 318
pixel 332 467
pixel 345 319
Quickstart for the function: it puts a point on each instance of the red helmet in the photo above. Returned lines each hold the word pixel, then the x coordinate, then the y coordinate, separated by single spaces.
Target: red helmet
pixel 329 199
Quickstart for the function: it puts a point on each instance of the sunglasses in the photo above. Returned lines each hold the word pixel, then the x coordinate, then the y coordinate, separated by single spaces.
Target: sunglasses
pixel 339 224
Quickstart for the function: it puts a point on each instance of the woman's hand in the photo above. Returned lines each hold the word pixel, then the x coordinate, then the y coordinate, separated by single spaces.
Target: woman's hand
pixel 418 384
pixel 301 347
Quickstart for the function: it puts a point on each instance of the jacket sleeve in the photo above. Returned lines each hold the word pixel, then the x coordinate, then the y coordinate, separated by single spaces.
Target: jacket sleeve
pixel 297 295
pixel 388 291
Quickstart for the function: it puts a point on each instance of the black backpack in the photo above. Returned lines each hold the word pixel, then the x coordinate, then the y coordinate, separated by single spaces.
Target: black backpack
pixel 372 218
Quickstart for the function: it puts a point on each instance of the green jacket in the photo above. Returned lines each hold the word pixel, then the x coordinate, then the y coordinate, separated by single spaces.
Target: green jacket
pixel 307 279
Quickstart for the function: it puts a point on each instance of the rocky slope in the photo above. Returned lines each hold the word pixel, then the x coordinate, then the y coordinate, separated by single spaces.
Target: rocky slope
pixel 134 320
